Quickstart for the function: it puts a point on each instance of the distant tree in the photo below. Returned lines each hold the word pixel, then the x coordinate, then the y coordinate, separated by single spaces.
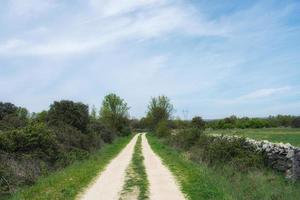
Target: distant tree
pixel 40 117
pixel 93 113
pixel 114 113
pixel 69 112
pixel 6 109
pixel 159 109
pixel 296 122
pixel 198 122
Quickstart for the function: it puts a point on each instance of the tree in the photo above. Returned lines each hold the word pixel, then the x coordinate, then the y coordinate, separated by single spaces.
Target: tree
pixel 93 113
pixel 198 122
pixel 296 122
pixel 114 112
pixel 6 109
pixel 159 109
pixel 72 113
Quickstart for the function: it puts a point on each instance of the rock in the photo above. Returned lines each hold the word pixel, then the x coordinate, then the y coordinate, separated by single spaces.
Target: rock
pixel 290 154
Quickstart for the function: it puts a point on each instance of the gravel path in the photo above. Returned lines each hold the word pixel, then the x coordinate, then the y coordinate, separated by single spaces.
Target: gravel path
pixel 109 183
pixel 162 183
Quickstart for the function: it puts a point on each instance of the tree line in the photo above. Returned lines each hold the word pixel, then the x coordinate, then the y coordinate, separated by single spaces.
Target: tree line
pixel 34 144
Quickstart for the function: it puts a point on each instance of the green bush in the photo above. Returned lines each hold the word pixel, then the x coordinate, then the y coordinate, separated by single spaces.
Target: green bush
pixel 69 112
pixel 162 129
pixel 296 122
pixel 33 138
pixel 96 127
pixel 186 138
pixel 198 122
pixel 219 151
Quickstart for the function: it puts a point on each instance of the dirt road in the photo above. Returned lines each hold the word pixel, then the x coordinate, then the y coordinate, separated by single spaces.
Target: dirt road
pixel 108 185
pixel 162 183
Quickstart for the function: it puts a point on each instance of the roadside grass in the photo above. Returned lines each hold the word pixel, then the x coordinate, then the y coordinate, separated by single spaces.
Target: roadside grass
pixel 136 177
pixel 70 181
pixel 198 181
pixel 284 135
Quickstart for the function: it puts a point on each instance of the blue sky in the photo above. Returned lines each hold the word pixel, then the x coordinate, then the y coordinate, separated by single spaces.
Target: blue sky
pixel 212 58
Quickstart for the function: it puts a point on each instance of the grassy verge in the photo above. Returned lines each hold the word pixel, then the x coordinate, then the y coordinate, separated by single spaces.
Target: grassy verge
pixel 136 177
pixel 198 181
pixel 67 183
pixel 285 135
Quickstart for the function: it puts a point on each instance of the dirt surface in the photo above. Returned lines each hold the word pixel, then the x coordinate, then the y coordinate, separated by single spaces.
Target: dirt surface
pixel 162 183
pixel 108 184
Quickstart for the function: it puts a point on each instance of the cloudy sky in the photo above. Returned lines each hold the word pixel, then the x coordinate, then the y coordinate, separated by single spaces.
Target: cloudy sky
pixel 212 58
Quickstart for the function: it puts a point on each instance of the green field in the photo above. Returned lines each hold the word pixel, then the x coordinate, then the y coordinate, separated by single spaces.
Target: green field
pixel 284 135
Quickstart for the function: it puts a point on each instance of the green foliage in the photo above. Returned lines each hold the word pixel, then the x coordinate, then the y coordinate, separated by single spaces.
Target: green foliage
pixel 69 182
pixel 93 114
pixel 199 181
pixel 159 109
pixel 219 150
pixel 245 122
pixel 98 128
pixel 12 117
pixel 179 124
pixel 12 121
pixel 48 141
pixel 162 129
pixel 296 122
pixel 185 138
pixel 198 122
pixel 33 138
pixel 40 117
pixel 69 112
pixel 114 112
pixel 6 109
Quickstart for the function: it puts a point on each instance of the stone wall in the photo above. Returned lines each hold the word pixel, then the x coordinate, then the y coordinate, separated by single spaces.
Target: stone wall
pixel 281 157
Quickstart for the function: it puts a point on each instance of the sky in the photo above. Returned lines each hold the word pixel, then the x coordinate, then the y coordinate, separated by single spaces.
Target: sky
pixel 211 58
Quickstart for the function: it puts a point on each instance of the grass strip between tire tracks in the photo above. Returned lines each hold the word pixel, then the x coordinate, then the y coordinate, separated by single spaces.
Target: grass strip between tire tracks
pixel 136 177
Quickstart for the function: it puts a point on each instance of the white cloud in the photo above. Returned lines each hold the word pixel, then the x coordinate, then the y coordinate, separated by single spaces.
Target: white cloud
pixel 257 95
pixel 116 7
pixel 29 8
pixel 262 93
pixel 86 32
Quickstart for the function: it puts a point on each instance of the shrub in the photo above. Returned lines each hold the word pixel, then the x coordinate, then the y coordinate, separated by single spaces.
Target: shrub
pixel 219 150
pixel 33 138
pixel 186 138
pixel 98 128
pixel 12 121
pixel 69 112
pixel 296 122
pixel 162 129
pixel 198 122
pixel 125 131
